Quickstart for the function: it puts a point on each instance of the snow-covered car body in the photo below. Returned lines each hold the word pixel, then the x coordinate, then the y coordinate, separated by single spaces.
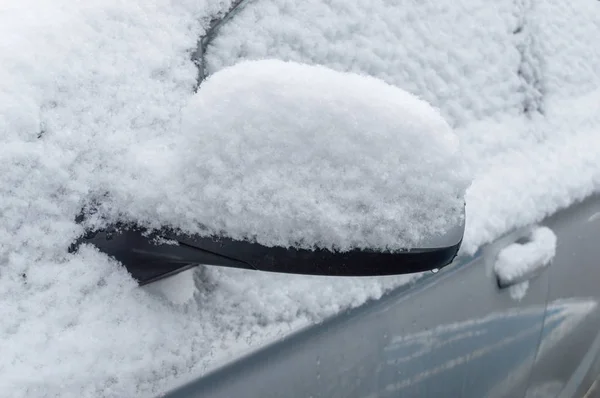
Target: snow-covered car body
pixel 517 318
pixel 97 110
pixel 454 333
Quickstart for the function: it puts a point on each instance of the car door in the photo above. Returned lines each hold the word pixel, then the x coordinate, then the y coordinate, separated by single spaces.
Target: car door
pixel 453 333
pixel 568 362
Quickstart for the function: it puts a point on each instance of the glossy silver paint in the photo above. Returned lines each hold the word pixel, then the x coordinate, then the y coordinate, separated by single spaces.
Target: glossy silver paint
pixel 452 334
pixel 568 360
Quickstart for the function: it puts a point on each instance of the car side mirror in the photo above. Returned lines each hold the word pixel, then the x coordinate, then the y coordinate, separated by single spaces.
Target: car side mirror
pixel 152 256
pixel 383 167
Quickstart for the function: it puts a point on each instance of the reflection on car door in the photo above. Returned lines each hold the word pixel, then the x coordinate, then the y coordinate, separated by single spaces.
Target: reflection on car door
pixel 568 361
pixel 452 334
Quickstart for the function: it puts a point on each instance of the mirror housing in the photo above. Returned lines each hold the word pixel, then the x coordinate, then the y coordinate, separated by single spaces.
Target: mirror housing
pixel 152 256
pixel 296 168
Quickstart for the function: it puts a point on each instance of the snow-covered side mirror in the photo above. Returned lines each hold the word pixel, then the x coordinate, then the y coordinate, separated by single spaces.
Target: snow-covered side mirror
pixel 302 169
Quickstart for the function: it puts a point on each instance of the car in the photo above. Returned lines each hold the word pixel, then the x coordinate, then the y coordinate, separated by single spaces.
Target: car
pixel 353 199
pixel 517 318
pixel 454 333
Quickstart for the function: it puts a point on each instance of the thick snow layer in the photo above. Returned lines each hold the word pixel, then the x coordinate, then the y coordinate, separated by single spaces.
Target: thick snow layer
pixel 554 165
pixel 566 30
pixel 102 83
pixel 290 154
pixel 458 55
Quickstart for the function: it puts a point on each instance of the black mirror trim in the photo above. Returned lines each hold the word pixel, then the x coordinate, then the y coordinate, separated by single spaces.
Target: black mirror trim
pixel 149 259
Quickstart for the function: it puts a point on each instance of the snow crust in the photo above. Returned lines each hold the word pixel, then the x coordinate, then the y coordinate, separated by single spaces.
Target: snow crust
pixel 103 84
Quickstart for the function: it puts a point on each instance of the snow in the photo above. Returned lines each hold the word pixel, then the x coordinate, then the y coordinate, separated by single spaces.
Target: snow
pixel 445 54
pixel 107 86
pixel 517 260
pixel 567 30
pixel 178 289
pixel 541 174
pixel 289 154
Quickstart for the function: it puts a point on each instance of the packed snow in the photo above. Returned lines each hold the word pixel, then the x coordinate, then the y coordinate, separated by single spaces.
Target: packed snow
pixel 96 107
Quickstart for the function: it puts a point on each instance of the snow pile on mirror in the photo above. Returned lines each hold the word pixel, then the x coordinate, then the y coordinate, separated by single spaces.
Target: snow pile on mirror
pixel 296 155
pixel 517 80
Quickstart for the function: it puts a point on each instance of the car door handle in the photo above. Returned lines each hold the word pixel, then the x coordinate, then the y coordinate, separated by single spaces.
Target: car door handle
pixel 526 258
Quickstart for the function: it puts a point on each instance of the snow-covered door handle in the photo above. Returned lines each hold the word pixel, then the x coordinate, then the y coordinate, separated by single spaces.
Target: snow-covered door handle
pixel 519 262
